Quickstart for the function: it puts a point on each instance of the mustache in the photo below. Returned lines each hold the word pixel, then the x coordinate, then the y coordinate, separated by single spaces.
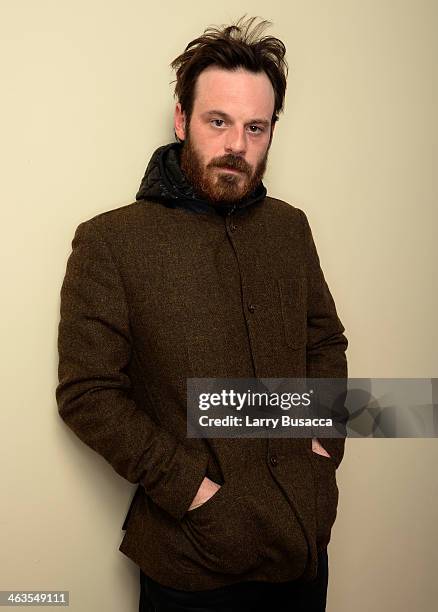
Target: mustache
pixel 231 161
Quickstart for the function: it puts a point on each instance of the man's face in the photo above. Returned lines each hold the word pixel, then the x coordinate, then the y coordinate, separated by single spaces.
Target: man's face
pixel 226 145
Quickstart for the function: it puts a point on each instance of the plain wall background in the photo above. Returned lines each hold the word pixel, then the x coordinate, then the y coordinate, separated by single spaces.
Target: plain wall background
pixel 86 98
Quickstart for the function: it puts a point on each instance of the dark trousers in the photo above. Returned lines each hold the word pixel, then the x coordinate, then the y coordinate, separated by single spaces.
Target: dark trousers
pixel 254 596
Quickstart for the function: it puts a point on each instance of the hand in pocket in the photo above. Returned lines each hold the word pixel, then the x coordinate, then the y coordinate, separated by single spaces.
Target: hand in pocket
pixel 207 489
pixel 317 448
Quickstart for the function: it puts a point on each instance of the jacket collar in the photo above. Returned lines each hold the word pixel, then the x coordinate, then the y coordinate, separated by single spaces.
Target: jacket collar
pixel 164 181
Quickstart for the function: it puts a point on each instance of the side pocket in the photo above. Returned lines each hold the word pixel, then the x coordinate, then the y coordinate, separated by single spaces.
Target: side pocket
pixel 327 496
pixel 206 505
pixel 224 532
pixel 293 299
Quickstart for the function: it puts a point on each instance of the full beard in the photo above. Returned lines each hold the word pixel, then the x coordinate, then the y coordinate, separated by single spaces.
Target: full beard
pixel 220 186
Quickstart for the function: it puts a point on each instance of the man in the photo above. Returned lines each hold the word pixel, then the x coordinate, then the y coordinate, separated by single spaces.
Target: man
pixel 206 276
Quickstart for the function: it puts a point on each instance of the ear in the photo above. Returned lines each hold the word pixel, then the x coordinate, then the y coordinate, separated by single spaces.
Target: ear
pixel 180 122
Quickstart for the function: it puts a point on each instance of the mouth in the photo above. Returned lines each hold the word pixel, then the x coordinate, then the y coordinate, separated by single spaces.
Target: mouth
pixel 226 169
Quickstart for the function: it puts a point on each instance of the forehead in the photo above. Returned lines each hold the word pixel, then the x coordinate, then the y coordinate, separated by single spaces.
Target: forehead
pixel 234 92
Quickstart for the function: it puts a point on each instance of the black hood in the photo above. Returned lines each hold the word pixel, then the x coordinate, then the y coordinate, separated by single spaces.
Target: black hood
pixel 164 181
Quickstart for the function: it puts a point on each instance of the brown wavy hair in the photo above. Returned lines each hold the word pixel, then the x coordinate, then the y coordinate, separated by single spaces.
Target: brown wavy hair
pixel 232 47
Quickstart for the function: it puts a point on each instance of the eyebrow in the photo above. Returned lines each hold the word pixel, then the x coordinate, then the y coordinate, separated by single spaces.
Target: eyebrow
pixel 223 115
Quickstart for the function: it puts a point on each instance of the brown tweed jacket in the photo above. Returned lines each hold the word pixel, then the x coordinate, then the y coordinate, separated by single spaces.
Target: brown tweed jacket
pixel 153 295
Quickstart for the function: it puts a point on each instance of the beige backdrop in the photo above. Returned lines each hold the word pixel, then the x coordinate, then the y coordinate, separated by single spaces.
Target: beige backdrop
pixel 85 100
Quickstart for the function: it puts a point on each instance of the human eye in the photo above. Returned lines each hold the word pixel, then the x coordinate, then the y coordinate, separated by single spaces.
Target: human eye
pixel 213 121
pixel 260 130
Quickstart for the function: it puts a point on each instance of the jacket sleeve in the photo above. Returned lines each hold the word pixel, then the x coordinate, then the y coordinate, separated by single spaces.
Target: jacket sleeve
pixel 326 342
pixel 93 394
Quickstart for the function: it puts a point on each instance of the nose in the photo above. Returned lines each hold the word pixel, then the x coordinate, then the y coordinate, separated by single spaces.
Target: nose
pixel 235 140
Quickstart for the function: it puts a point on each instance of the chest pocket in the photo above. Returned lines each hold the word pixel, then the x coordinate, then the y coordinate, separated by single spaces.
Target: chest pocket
pixel 293 301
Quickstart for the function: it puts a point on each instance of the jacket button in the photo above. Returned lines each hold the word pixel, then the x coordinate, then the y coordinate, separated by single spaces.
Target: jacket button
pixel 251 307
pixel 233 227
pixel 273 459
